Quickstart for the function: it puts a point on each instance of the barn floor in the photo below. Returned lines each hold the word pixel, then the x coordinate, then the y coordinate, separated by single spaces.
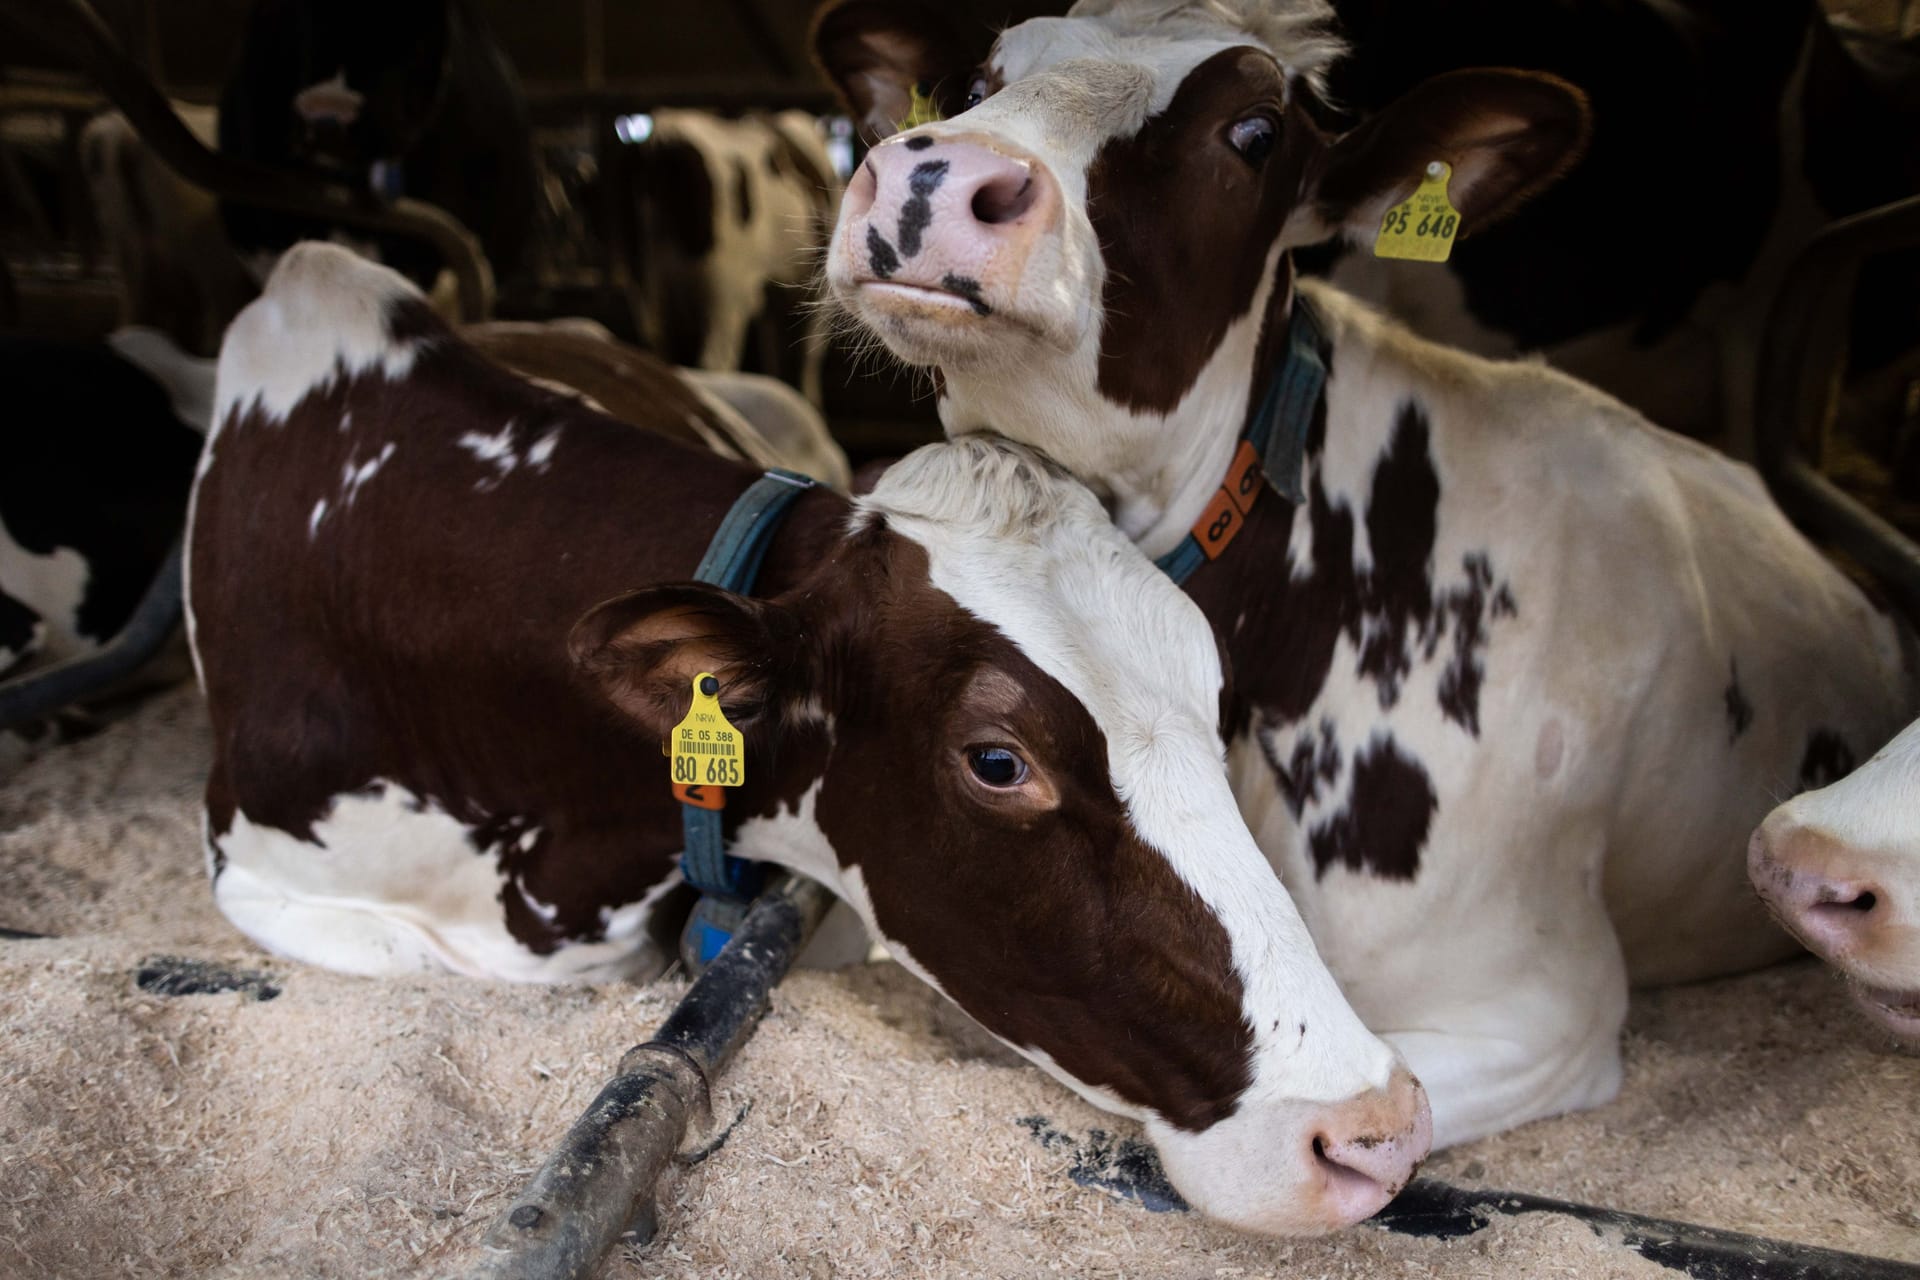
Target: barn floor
pixel 348 1128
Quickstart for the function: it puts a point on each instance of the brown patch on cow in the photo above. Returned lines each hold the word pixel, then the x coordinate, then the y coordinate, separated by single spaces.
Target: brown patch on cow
pixel 1186 226
pixel 1099 953
pixel 1388 815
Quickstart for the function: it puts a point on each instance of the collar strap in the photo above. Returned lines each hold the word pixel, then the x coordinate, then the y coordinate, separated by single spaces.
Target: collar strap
pixel 1272 449
pixel 725 882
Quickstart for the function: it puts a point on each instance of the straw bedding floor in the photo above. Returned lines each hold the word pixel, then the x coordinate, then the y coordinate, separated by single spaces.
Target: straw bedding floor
pixel 341 1127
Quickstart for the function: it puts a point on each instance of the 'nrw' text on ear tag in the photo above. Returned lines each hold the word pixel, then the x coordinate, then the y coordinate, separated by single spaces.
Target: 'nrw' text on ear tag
pixel 1421 227
pixel 920 109
pixel 706 750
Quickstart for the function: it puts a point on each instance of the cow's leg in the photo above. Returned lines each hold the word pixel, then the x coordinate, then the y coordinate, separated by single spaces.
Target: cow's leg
pixel 1522 1037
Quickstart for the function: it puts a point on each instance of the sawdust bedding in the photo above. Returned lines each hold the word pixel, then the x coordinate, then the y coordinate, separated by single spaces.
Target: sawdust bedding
pixel 311 1124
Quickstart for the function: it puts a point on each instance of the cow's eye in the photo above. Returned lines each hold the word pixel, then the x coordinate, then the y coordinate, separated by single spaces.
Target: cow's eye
pixel 976 92
pixel 996 766
pixel 1253 138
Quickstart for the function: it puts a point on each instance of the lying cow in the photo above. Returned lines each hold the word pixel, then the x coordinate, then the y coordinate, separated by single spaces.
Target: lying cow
pixel 1840 866
pixel 403 100
pixel 1514 673
pixel 728 218
pixel 443 627
pixel 100 444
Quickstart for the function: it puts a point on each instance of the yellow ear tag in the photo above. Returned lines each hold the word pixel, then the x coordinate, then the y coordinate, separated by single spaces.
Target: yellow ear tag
pixel 920 109
pixel 706 750
pixel 1421 228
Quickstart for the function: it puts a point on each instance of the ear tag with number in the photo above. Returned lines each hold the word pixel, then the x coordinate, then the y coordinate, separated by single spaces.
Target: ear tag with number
pixel 705 749
pixel 920 109
pixel 1421 227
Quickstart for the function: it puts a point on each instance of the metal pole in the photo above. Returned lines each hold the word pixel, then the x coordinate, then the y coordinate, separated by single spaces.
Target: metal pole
pixel 598 1183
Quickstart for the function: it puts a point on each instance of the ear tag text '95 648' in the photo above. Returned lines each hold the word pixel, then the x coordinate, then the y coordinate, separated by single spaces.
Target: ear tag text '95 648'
pixel 706 751
pixel 1421 227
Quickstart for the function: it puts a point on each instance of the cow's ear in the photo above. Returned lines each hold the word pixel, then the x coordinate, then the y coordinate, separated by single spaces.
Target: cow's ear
pixel 878 52
pixel 644 649
pixel 1507 135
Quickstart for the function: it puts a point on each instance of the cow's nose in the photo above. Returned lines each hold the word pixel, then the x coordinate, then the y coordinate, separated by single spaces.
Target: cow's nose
pixel 1367 1148
pixel 946 205
pixel 1809 880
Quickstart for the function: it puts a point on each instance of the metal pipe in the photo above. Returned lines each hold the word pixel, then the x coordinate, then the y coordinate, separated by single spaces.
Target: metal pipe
pixel 1800 368
pixel 32 697
pixel 598 1183
pixel 77 31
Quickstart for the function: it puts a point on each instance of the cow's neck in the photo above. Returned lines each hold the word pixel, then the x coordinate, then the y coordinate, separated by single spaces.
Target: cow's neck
pixel 1157 472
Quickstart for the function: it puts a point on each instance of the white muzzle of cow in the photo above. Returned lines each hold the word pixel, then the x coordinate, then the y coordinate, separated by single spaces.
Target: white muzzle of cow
pixel 1299 1168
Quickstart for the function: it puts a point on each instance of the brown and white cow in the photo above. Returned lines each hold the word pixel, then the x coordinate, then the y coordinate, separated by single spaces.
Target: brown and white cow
pixel 442 623
pixel 1516 675
pixel 1840 866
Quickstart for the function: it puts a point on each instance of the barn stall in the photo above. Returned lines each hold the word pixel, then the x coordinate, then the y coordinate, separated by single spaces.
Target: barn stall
pixel 163 1117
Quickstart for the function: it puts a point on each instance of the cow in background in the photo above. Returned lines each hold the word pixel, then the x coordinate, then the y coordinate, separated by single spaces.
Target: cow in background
pixel 1840 867
pixel 727 221
pixel 178 272
pixel 410 99
pixel 1726 134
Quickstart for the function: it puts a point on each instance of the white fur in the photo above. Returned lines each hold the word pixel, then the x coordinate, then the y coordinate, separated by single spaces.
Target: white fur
pixel 53 585
pixel 391 883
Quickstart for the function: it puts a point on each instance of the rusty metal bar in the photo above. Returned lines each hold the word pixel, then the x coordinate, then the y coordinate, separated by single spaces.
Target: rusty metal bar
pixel 1801 362
pixel 598 1184
pixel 74 29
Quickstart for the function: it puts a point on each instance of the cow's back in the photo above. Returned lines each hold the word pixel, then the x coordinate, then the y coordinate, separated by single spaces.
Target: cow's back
pixel 384 569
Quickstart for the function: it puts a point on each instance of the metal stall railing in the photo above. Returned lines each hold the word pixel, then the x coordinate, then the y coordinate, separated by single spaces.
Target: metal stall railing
pixel 1801 364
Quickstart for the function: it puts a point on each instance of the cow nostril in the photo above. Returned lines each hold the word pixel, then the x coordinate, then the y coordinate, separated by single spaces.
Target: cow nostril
pixel 1004 198
pixel 1862 902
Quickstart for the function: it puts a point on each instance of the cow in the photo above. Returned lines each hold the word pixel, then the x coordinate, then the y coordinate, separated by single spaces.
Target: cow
pixel 100 449
pixel 442 622
pixel 408 100
pixel 178 273
pixel 724 232
pixel 1726 134
pixel 1840 867
pixel 1513 671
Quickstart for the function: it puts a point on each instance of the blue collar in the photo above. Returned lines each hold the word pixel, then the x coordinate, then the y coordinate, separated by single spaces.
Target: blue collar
pixel 727 883
pixel 1272 449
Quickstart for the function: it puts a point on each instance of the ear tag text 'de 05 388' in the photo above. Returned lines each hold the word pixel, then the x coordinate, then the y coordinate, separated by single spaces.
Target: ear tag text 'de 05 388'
pixel 705 750
pixel 1421 228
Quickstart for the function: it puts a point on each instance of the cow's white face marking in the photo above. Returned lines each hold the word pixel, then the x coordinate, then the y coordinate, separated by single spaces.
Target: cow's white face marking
pixel 408 892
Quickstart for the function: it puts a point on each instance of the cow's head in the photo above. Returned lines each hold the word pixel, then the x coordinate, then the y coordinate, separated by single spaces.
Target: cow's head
pixel 1840 866
pixel 1091 248
pixel 999 719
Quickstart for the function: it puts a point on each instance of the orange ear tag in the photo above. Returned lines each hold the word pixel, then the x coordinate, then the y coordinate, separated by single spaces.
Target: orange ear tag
pixel 1421 227
pixel 706 751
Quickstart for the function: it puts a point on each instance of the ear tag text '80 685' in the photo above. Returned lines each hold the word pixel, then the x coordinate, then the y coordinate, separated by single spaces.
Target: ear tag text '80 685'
pixel 1421 228
pixel 705 749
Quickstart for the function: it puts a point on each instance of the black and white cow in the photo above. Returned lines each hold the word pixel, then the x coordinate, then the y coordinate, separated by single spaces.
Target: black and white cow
pixel 727 223
pixel 1514 672
pixel 444 626
pixel 99 446
pixel 1726 133
pixel 410 99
